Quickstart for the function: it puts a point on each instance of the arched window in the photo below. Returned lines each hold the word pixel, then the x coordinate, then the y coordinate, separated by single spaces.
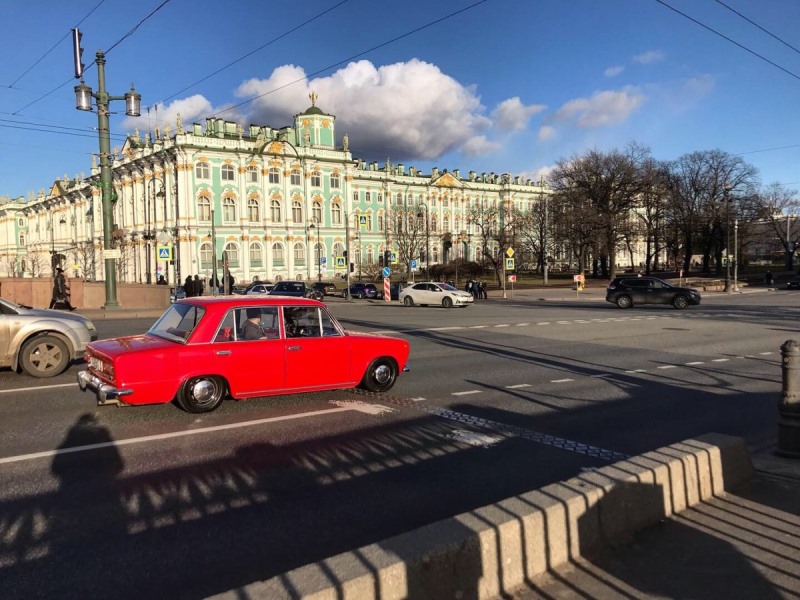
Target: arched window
pixel 299 254
pixel 274 175
pixel 335 181
pixel 319 251
pixel 380 222
pixel 275 209
pixel 206 255
pixel 338 249
pixel 253 210
pixel 316 179
pixel 296 179
pixel 256 255
pixel 232 250
pixel 22 240
pixel 278 258
pixel 370 255
pixel 228 172
pixel 458 223
pixel 336 213
pixel 202 170
pixel 446 223
pixel 252 174
pixel 399 200
pixel 297 211
pixel 204 209
pixel 316 211
pixel 229 210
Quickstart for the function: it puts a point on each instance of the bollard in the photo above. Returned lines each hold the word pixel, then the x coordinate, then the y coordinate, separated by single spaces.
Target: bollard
pixel 789 404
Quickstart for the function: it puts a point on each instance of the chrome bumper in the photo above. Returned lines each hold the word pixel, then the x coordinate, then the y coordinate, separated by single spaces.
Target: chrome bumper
pixel 106 394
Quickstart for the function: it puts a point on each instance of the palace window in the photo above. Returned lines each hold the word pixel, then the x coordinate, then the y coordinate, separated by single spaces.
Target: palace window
pixel 202 170
pixel 336 214
pixel 316 212
pixel 299 254
pixel 316 179
pixel 232 250
pixel 295 177
pixel 274 175
pixel 256 255
pixel 205 255
pixel 278 258
pixel 297 211
pixel 253 210
pixel 227 172
pixel 229 210
pixel 252 174
pixel 275 209
pixel 335 180
pixel 204 209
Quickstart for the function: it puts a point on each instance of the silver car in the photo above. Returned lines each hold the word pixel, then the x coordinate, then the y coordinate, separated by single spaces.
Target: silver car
pixel 438 294
pixel 40 341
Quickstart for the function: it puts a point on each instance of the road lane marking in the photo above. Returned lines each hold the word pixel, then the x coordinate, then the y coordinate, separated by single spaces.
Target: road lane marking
pixel 40 387
pixel 667 367
pixel 443 328
pixel 522 324
pixel 544 323
pixel 174 434
pixel 697 362
pixel 465 393
pixel 518 386
pixel 637 371
pixel 561 380
pixel 765 353
pixel 478 326
pixel 719 360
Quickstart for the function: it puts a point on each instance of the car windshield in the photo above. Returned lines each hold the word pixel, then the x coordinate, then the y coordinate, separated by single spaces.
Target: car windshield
pixel 447 286
pixel 178 322
pixel 9 308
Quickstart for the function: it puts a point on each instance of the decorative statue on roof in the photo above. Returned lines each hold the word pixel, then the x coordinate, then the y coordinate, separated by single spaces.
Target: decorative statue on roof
pixel 136 135
pixel 313 96
pixel 345 143
pixel 167 131
pixel 147 139
pixel 179 124
pixel 239 131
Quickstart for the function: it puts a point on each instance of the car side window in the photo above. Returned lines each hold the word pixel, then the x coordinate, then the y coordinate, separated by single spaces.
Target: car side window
pixel 302 321
pixel 227 329
pixel 264 328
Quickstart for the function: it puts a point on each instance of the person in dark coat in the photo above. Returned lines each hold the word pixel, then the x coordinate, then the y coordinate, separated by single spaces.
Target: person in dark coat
pixel 60 291
pixel 198 286
pixel 188 286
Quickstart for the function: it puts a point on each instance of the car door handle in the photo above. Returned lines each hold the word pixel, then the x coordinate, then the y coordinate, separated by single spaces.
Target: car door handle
pixel 223 352
pixel 294 348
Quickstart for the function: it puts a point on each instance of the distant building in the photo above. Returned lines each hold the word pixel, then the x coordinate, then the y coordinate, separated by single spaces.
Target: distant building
pixel 273 203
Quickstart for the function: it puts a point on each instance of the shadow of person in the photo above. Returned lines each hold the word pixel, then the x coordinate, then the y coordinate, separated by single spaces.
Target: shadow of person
pixel 87 516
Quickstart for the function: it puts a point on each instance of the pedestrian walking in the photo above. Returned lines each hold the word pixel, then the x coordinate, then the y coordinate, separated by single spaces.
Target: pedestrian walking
pixel 198 286
pixel 188 287
pixel 60 291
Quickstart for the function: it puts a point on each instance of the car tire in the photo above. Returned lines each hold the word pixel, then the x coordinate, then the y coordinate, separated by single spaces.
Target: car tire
pixel 360 295
pixel 408 301
pixel 624 302
pixel 680 302
pixel 447 302
pixel 44 356
pixel 380 376
pixel 201 394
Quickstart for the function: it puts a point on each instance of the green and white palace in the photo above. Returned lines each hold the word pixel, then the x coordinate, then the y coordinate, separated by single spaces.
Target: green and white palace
pixel 288 203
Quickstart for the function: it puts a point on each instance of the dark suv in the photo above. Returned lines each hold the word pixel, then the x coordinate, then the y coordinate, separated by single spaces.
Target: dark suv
pixel 294 288
pixel 326 288
pixel 363 290
pixel 627 291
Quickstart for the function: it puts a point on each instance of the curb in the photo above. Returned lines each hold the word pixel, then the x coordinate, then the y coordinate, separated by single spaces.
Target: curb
pixel 497 548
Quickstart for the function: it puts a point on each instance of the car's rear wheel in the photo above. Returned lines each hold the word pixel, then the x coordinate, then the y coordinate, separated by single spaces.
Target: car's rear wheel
pixel 447 302
pixel 408 301
pixel 360 295
pixel 624 302
pixel 44 356
pixel 680 302
pixel 201 394
pixel 380 376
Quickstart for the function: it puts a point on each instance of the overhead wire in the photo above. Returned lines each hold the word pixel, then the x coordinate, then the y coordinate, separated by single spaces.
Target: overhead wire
pixel 754 24
pixel 732 41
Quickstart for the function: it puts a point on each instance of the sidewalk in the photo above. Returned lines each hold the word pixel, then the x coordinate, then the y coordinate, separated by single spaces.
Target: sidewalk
pixel 743 544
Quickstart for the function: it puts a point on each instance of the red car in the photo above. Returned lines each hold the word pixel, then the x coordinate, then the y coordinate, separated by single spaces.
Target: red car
pixel 205 348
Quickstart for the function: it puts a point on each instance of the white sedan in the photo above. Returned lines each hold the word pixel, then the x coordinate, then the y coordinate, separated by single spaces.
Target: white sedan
pixel 430 292
pixel 260 288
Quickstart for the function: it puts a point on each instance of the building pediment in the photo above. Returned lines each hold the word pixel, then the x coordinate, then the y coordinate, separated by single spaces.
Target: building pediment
pixel 448 181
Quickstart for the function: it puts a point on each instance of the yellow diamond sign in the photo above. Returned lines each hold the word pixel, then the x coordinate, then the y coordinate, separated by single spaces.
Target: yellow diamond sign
pixel 510 252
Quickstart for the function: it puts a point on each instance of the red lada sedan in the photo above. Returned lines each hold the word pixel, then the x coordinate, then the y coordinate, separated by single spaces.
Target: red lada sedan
pixel 204 349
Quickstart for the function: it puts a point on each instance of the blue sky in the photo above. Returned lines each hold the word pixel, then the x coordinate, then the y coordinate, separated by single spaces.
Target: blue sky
pixel 502 85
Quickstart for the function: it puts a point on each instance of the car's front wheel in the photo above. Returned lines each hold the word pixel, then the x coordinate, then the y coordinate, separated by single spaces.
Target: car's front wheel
pixel 44 356
pixel 447 302
pixel 201 394
pixel 380 375
pixel 408 301
pixel 680 302
pixel 624 302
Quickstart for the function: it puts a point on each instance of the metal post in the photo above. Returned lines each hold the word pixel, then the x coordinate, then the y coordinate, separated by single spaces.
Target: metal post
pixel 726 189
pixel 789 404
pixel 347 252
pixel 213 282
pixel 735 254
pixel 544 242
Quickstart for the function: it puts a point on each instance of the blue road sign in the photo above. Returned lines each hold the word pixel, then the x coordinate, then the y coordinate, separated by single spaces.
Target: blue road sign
pixel 387 272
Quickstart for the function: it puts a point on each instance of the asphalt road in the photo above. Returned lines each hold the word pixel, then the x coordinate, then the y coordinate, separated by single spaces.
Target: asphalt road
pixel 503 397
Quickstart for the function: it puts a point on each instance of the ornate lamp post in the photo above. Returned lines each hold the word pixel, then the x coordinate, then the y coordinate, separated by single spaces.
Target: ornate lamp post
pixel 83 99
pixel 315 225
pixel 427 239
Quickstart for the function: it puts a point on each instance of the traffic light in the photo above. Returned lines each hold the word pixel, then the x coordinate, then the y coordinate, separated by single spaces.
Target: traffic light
pixel 387 256
pixel 345 254
pixel 352 267
pixel 77 52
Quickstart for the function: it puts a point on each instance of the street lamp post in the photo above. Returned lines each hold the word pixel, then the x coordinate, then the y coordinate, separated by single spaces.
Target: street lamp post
pixel 83 97
pixel 736 254
pixel 318 252
pixel 427 241
pixel 726 194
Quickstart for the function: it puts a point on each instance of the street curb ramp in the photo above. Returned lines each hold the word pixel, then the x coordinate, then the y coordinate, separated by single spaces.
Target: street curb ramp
pixel 497 548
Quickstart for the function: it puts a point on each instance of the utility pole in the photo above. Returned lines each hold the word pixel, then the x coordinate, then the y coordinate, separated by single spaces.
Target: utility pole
pixel 83 100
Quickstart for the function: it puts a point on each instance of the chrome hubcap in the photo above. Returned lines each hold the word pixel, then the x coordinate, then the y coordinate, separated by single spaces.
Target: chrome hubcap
pixel 203 391
pixel 382 374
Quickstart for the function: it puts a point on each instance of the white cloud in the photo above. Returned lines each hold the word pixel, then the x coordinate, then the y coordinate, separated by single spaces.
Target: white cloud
pixel 649 57
pixel 613 71
pixel 479 145
pixel 192 109
pixel 546 132
pixel 512 114
pixel 407 110
pixel 602 109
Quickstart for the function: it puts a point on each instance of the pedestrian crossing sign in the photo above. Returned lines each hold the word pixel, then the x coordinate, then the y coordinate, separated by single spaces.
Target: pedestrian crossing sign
pixel 340 263
pixel 509 264
pixel 362 221
pixel 164 252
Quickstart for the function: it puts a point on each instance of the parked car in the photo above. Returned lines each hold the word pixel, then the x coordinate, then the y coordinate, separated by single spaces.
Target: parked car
pixel 793 283
pixel 326 288
pixel 177 293
pixel 259 288
pixel 626 292
pixel 246 289
pixel 200 351
pixel 432 292
pixel 39 341
pixel 394 290
pixel 297 289
pixel 363 290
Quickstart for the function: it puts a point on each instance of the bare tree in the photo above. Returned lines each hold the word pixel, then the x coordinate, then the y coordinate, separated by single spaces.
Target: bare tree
pixel 607 187
pixel 83 254
pixel 405 232
pixel 15 265
pixel 35 262
pixel 777 208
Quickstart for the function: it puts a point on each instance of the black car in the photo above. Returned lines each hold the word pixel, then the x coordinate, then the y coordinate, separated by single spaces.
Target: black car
pixel 295 288
pixel 628 291
pixel 326 288
pixel 363 290
pixel 793 283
